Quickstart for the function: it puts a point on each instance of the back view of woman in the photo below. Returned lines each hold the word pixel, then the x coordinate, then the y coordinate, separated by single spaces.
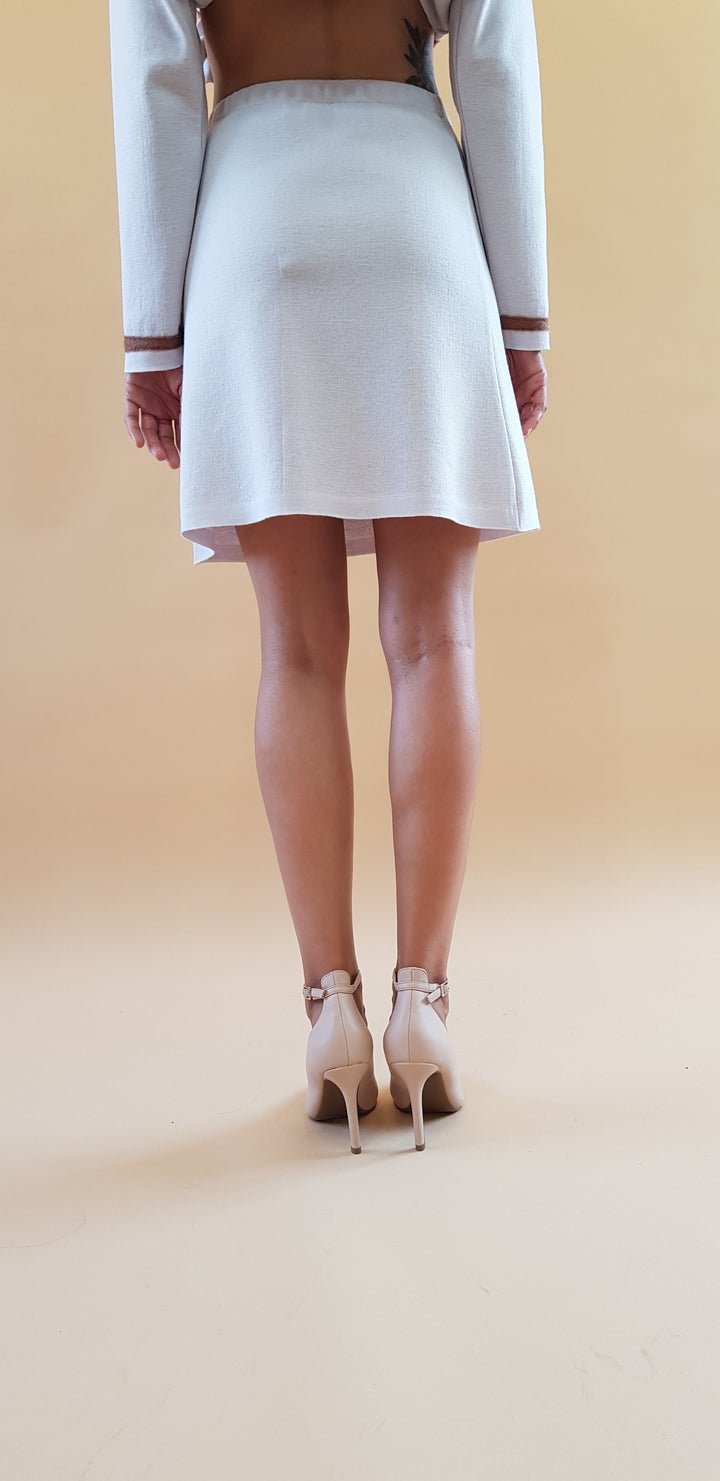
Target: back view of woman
pixel 334 318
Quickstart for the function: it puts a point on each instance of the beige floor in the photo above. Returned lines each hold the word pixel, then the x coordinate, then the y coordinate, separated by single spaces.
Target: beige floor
pixel 201 1283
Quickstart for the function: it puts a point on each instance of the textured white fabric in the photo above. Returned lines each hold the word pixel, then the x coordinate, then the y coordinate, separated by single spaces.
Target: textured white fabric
pixel 159 68
pixel 343 348
pixel 160 124
pixel 494 77
pixel 495 83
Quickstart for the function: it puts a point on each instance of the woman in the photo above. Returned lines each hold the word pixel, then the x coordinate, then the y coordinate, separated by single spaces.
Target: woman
pixel 343 311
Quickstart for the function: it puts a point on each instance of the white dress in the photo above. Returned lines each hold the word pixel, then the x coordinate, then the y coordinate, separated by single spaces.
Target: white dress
pixel 339 277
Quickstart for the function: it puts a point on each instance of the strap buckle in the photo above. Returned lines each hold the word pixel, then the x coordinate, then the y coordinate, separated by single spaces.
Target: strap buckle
pixel 440 990
pixel 314 992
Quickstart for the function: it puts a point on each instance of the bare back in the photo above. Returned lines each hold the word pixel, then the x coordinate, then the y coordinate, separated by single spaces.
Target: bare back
pixel 249 41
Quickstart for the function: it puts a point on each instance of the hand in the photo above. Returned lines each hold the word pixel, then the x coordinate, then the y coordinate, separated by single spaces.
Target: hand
pixel 156 395
pixel 529 378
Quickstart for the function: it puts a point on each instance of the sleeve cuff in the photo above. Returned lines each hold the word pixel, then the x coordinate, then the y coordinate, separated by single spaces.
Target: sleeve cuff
pixel 522 333
pixel 138 360
pixel 526 339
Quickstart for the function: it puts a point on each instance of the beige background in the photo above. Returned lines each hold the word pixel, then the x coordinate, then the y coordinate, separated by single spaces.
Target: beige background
pixel 200 1281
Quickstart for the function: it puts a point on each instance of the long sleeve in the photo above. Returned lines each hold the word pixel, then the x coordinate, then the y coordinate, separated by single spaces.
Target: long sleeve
pixel 160 125
pixel 495 82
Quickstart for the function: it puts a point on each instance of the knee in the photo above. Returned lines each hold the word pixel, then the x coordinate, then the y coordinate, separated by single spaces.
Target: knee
pixel 411 638
pixel 316 647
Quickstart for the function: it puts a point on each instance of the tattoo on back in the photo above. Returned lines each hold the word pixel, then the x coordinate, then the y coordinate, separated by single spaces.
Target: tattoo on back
pixel 419 55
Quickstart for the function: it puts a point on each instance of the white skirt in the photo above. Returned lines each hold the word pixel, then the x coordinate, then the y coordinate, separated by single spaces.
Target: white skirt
pixel 343 353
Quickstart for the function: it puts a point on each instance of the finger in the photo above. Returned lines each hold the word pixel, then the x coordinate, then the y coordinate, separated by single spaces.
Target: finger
pixel 165 433
pixel 132 422
pixel 152 437
pixel 532 420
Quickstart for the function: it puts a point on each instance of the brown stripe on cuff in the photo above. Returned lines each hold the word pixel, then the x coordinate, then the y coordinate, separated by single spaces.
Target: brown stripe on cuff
pixel 154 342
pixel 515 321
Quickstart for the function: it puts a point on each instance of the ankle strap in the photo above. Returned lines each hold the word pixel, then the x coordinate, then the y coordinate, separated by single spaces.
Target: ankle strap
pixel 431 990
pixel 332 982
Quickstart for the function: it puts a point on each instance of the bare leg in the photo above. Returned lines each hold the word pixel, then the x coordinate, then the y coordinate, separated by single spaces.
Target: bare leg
pixel 426 569
pixel 298 567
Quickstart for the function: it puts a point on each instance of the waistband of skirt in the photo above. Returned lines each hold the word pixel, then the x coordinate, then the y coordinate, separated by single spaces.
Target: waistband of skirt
pixel 329 90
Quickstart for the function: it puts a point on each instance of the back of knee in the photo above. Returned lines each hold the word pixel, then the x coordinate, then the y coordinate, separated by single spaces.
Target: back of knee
pixel 410 640
pixel 316 648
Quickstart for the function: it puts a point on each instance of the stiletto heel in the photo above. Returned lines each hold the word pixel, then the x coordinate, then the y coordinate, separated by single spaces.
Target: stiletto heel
pixel 348 1079
pixel 411 1078
pixel 339 1059
pixel 423 1067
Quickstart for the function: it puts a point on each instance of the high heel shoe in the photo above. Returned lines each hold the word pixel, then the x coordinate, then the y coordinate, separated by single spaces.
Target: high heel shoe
pixel 339 1057
pixel 421 1058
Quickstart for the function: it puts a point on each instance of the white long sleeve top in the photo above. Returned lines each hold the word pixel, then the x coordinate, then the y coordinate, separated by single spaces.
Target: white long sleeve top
pixel 158 72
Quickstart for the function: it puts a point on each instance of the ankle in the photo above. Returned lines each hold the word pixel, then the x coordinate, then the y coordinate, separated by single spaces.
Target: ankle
pixel 439 968
pixel 313 1006
pixel 440 1004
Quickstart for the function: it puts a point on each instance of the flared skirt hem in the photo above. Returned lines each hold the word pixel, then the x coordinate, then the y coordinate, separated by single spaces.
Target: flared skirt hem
pixel 221 542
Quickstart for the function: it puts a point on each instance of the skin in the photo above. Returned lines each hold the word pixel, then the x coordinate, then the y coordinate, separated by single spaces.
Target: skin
pixel 317 38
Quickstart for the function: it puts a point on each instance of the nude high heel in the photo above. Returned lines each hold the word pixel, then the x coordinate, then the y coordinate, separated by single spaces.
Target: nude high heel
pixel 339 1058
pixel 421 1058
